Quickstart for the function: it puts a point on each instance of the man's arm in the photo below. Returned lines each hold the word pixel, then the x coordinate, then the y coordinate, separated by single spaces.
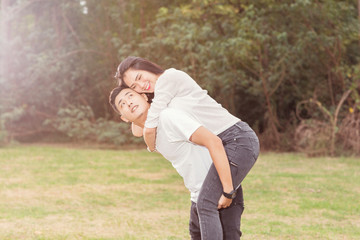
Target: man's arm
pixel 213 143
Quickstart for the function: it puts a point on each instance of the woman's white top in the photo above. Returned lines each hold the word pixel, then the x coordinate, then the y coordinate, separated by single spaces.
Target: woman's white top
pixel 175 88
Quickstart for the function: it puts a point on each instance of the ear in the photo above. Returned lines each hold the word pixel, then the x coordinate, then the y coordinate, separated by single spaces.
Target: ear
pixel 124 119
pixel 145 96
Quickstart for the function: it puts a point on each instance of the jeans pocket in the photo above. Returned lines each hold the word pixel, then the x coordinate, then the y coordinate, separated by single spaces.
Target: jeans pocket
pixel 233 169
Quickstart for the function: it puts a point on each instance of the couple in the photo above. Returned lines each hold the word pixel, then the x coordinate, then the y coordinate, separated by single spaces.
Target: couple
pixel 210 148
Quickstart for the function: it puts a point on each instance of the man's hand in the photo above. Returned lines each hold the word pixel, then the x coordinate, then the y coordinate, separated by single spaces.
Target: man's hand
pixel 224 202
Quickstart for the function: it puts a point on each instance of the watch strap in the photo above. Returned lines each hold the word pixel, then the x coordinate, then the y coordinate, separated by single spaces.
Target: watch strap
pixel 230 195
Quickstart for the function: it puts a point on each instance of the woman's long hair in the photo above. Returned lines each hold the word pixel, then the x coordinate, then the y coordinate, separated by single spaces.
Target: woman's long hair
pixel 137 63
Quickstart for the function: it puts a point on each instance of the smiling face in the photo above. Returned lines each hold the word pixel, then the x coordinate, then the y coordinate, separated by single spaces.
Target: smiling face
pixel 140 80
pixel 132 106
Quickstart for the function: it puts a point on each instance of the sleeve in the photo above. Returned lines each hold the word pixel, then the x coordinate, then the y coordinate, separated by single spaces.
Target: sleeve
pixel 171 84
pixel 178 124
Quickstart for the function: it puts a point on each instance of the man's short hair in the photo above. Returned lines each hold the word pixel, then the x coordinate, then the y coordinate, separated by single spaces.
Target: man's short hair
pixel 113 95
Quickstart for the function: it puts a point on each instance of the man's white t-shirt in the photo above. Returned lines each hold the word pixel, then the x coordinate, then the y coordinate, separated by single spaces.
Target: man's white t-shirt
pixel 191 161
pixel 175 88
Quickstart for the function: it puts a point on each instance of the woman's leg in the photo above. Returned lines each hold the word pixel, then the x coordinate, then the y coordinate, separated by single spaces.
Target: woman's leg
pixel 231 217
pixel 242 149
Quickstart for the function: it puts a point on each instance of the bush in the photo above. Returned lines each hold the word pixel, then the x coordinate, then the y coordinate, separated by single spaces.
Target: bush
pixel 79 124
pixel 349 133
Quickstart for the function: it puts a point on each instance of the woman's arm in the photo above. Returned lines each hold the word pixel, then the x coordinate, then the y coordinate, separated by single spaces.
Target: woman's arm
pixel 172 83
pixel 150 138
pixel 165 90
pixel 148 133
pixel 213 143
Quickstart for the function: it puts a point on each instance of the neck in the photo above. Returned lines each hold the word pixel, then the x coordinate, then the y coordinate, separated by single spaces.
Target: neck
pixel 140 121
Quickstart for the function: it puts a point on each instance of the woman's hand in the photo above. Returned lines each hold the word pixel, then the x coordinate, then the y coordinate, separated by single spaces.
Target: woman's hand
pixel 224 202
pixel 150 138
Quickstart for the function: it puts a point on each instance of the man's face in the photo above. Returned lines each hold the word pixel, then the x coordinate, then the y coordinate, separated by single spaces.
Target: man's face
pixel 132 106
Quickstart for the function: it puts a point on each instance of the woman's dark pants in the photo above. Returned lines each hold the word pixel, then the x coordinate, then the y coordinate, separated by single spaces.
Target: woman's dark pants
pixel 242 148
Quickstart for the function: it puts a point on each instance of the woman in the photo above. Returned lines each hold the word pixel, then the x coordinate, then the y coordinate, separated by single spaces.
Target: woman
pixel 240 141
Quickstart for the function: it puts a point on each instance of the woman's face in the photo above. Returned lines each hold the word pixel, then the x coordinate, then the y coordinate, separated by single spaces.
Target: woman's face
pixel 140 81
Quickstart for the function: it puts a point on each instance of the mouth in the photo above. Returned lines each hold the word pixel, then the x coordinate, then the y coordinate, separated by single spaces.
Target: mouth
pixel 147 86
pixel 134 108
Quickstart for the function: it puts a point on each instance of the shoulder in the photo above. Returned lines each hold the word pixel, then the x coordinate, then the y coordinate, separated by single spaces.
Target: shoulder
pixel 174 118
pixel 170 114
pixel 172 74
pixel 177 124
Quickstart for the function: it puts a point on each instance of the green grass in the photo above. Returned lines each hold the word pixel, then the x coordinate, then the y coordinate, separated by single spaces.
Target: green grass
pixel 67 193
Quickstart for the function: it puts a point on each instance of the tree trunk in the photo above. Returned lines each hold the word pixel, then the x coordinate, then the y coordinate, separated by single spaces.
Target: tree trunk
pixel 272 117
pixel 4 35
pixel 273 121
pixel 359 17
pixel 142 20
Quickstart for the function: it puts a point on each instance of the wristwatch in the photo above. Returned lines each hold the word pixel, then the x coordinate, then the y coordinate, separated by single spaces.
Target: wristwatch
pixel 230 195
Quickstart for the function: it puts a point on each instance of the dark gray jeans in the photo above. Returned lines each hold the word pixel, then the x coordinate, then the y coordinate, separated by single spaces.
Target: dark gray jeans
pixel 242 148
pixel 230 219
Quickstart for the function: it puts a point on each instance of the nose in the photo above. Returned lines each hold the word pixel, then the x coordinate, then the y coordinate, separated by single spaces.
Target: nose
pixel 127 102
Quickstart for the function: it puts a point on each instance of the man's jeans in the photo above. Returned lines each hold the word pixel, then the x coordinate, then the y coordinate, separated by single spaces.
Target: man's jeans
pixel 230 219
pixel 242 148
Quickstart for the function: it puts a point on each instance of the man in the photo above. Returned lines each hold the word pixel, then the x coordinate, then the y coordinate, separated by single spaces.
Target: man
pixel 176 134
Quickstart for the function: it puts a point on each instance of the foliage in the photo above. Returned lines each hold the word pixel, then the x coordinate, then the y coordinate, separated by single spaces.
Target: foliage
pixel 79 124
pixel 349 132
pixel 3 134
pixel 325 131
pixel 8 122
pixel 259 59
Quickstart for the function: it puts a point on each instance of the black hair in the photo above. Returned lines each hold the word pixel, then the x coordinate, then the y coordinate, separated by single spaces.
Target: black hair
pixel 137 63
pixel 113 95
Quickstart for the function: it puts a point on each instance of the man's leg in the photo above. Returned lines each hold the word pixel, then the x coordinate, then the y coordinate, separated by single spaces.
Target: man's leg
pixel 207 203
pixel 194 225
pixel 231 217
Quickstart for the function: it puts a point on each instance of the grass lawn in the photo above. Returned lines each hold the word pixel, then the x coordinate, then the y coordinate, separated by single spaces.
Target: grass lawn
pixel 67 193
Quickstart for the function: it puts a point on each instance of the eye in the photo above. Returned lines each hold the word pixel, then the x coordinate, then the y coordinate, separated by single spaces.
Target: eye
pixel 130 95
